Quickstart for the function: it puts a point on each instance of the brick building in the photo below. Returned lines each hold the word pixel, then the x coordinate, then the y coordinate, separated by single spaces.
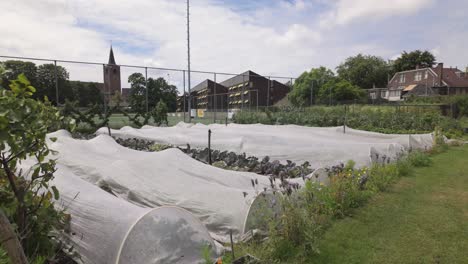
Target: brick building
pixel 209 95
pixel 250 89
pixel 182 103
pixel 427 82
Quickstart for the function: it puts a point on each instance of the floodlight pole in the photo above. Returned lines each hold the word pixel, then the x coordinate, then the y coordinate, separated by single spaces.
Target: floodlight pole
pixel 185 95
pixel 188 62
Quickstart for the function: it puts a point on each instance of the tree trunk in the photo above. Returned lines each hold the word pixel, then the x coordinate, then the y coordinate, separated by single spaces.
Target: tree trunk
pixel 10 242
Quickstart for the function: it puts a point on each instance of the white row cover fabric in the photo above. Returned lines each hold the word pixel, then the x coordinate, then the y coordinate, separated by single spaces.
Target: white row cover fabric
pixel 221 199
pixel 107 229
pixel 321 146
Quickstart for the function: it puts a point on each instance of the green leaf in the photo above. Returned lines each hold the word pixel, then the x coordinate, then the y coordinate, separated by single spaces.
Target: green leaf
pixel 56 193
pixel 53 139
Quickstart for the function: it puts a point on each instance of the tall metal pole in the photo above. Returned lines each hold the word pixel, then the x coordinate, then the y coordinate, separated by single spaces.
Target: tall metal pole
pixel 312 93
pixel 268 93
pixel 209 146
pixel 146 88
pixel 214 99
pixel 56 83
pixel 185 95
pixel 188 61
pixel 104 90
pixel 242 92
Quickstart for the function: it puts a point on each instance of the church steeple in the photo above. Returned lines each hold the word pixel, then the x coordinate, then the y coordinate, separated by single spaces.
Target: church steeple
pixel 112 84
pixel 111 57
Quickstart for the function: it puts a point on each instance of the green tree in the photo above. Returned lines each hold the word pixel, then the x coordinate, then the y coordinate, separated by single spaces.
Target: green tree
pixel 365 71
pixel 46 83
pixel 337 90
pixel 27 198
pixel 308 84
pixel 86 93
pixel 159 113
pixel 15 67
pixel 137 97
pixel 410 60
pixel 158 89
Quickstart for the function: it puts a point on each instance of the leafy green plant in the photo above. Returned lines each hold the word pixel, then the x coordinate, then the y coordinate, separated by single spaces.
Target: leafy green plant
pixel 383 119
pixel 159 113
pixel 419 159
pixel 27 198
pixel 306 212
pixel 206 254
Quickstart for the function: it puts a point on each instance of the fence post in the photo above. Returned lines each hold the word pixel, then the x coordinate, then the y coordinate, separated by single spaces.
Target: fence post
pixel 214 99
pixel 257 100
pixel 242 92
pixel 268 93
pixel 345 118
pixel 105 92
pixel 232 245
pixel 146 88
pixel 185 95
pixel 311 93
pixel 209 146
pixel 56 83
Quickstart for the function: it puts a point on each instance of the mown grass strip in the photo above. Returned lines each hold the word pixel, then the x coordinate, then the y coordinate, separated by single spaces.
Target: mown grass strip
pixel 421 219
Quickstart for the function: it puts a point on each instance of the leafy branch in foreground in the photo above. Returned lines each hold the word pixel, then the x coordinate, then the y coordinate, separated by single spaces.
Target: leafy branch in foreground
pixel 26 196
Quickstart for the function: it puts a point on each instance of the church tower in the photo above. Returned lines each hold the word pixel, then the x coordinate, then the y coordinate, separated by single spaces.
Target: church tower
pixel 112 84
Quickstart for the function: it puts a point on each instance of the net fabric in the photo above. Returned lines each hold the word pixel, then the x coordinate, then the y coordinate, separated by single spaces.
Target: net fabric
pixel 106 229
pixel 221 199
pixel 320 146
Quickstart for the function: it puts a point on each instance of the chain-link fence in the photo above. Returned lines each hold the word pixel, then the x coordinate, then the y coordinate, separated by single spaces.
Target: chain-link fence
pixel 124 95
pixel 132 90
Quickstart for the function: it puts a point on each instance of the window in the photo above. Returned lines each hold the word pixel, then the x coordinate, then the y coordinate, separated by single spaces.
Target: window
pixel 418 76
pixel 426 74
pixel 394 93
pixel 402 78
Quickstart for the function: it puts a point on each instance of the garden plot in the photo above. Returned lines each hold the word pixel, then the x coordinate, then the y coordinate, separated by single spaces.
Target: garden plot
pixel 223 200
pixel 320 146
pixel 106 229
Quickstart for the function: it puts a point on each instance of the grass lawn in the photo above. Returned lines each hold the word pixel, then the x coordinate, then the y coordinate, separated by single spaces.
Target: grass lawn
pixel 423 218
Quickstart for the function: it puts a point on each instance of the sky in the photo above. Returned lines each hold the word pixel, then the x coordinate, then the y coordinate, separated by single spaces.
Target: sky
pixel 270 37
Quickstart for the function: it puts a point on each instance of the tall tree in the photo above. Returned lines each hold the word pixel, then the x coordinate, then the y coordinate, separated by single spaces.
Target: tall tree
pixel 365 71
pixel 158 90
pixel 307 85
pixel 15 67
pixel 137 97
pixel 409 61
pixel 86 93
pixel 339 90
pixel 46 83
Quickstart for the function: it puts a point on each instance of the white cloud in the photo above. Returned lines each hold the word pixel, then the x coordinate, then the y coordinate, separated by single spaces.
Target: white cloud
pixel 347 11
pixel 284 38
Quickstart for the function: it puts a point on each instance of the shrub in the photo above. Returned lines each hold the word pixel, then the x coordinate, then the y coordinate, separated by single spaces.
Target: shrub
pixel 307 212
pixel 27 200
pixel 159 113
pixel 378 119
pixel 419 159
